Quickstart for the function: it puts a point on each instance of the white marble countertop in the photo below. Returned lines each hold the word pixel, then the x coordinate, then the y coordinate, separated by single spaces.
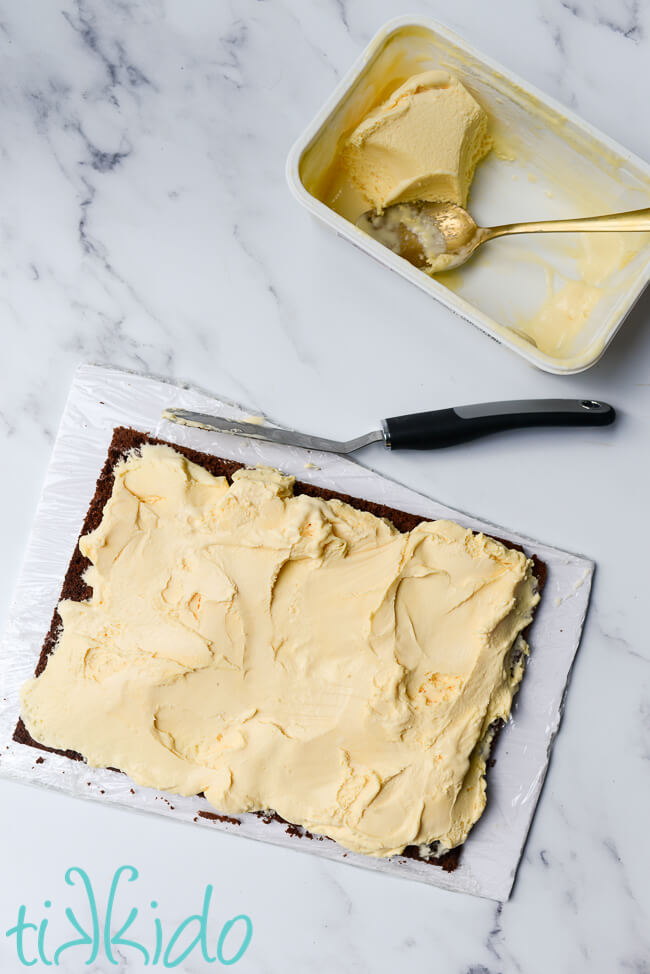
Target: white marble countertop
pixel 145 222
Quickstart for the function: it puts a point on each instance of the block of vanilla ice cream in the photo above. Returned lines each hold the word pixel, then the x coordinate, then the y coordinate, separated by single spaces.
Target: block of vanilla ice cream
pixel 422 143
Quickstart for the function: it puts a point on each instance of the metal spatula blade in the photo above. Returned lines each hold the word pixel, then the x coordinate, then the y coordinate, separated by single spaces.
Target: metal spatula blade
pixel 273 434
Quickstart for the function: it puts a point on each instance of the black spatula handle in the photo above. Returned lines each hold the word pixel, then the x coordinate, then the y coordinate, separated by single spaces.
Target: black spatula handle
pixel 445 427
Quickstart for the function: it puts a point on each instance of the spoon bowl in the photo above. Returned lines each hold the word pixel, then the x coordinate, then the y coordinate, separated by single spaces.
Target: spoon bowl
pixel 432 236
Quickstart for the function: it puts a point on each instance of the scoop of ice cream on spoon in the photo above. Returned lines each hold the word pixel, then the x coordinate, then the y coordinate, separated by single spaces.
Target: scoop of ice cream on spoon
pixel 438 236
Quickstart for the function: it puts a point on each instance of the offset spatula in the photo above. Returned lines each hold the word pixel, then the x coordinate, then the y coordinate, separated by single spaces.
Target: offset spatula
pixel 422 431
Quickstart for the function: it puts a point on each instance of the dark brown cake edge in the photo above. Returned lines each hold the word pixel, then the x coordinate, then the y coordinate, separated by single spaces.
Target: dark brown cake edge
pixel 124 441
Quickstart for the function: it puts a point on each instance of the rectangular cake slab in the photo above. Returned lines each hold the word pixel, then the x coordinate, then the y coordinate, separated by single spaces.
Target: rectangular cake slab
pixel 101 399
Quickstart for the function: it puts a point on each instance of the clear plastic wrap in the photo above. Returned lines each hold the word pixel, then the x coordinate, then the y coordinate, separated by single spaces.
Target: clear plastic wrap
pixel 103 398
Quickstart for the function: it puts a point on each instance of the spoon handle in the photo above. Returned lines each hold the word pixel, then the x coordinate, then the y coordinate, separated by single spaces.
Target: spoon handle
pixel 446 427
pixel 637 220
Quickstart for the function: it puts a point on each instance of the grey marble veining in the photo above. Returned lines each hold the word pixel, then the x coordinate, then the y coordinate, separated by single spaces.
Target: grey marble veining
pixel 145 222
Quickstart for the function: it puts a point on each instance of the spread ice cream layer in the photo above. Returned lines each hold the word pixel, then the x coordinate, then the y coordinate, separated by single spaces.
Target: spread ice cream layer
pixel 289 653
pixel 423 143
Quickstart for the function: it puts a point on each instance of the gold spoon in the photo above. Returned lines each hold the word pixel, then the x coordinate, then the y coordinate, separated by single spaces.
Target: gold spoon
pixel 438 236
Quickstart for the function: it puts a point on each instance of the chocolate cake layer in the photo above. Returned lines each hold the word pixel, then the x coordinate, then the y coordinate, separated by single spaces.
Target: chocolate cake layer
pixel 75 588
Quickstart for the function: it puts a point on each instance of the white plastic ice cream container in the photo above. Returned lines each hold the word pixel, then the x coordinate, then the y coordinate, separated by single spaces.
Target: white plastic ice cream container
pixel 547 164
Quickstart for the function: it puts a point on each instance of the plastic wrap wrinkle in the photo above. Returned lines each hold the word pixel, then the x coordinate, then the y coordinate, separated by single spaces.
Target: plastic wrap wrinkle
pixel 103 398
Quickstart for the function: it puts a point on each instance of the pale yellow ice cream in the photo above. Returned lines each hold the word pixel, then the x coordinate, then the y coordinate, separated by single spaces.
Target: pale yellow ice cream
pixel 287 652
pixel 422 143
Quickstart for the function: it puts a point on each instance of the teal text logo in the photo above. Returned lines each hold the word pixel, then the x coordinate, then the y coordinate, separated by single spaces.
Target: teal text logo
pixel 225 944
